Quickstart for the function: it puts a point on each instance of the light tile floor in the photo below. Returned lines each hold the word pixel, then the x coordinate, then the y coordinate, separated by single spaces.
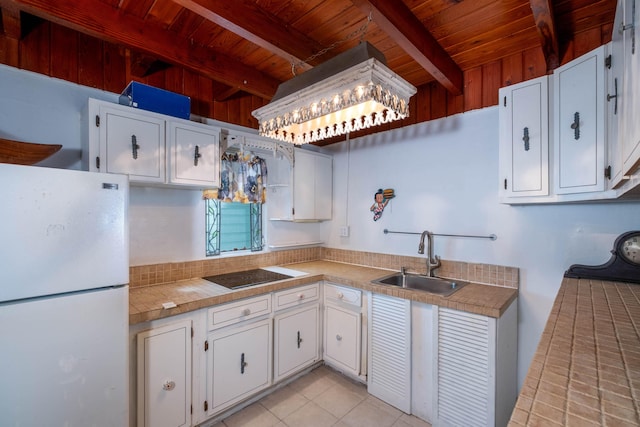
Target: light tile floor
pixel 321 398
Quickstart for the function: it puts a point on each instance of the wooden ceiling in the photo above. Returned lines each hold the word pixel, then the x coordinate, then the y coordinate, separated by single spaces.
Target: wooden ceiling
pixel 249 46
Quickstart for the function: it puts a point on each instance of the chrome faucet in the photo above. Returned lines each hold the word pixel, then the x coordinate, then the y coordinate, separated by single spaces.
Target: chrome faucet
pixel 432 262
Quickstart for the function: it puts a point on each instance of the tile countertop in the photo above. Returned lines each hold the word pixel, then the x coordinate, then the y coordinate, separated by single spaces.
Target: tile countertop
pixel 146 303
pixel 586 369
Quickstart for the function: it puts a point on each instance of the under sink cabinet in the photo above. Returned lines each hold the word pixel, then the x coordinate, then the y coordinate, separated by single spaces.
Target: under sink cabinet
pixel 389 350
pixel 475 368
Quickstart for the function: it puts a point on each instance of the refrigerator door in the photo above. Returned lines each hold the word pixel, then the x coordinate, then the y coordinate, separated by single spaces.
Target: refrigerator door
pixel 64 360
pixel 62 231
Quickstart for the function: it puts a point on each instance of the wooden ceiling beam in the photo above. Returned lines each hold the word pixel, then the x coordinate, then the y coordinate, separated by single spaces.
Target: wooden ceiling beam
pixel 11 23
pixel 100 20
pixel 260 27
pixel 397 20
pixel 545 24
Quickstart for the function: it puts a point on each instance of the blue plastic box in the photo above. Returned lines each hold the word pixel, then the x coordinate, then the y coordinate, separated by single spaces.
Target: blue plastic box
pixel 151 98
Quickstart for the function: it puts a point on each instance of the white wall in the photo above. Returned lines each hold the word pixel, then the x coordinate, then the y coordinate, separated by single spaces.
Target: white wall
pixel 445 177
pixel 36 108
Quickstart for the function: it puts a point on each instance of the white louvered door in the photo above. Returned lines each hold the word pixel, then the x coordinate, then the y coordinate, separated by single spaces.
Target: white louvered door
pixel 389 377
pixel 465 385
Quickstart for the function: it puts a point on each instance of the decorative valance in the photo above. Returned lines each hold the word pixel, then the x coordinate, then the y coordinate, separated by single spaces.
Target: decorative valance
pixel 243 179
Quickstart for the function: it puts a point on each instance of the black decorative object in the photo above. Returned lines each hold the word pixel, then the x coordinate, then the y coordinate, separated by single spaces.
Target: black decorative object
pixel 624 265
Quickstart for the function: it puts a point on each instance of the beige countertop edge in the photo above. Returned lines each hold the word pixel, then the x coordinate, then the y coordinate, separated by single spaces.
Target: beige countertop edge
pixel 480 299
pixel 586 368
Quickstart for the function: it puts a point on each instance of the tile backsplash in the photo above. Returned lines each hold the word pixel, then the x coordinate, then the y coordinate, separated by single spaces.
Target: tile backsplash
pixel 155 274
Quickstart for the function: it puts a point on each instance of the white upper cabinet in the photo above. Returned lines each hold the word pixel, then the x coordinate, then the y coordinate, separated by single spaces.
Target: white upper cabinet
pixel 312 186
pixel 524 139
pixel 131 144
pixel 151 148
pixel 579 124
pixel 573 136
pixel 629 96
pixel 303 192
pixel 194 156
pixel 615 109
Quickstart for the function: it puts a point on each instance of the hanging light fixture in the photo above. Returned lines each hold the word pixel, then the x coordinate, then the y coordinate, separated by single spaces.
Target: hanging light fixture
pixel 352 91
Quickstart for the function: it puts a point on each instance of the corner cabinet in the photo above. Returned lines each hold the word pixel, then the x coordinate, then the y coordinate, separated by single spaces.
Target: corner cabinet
pixel 312 186
pixel 524 139
pixel 301 186
pixel 153 149
pixel 475 368
pixel 164 376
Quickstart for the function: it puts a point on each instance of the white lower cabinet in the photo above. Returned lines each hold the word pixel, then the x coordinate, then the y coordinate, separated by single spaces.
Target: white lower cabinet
pixel 164 376
pixel 238 364
pixel 445 366
pixel 475 369
pixel 389 360
pixel 342 328
pixel 295 341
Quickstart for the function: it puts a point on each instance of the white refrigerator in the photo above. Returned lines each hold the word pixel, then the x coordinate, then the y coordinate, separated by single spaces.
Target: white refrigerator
pixel 64 273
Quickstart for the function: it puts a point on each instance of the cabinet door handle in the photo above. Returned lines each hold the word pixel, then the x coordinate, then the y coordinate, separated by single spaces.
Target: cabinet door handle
pixel 339 337
pixel 196 156
pixel 169 385
pixel 299 339
pixel 576 125
pixel 242 363
pixel 525 138
pixel 134 147
pixel 610 97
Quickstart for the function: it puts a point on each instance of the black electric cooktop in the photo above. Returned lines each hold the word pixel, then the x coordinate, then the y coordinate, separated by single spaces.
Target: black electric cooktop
pixel 241 279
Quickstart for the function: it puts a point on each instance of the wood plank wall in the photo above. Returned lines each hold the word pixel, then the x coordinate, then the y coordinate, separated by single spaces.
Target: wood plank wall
pixel 59 52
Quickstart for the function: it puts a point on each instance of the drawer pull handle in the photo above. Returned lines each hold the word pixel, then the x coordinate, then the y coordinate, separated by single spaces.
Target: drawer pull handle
pixel 246 312
pixel 300 296
pixel 168 385
pixel 242 363
pixel 339 337
pixel 299 339
pixel 340 295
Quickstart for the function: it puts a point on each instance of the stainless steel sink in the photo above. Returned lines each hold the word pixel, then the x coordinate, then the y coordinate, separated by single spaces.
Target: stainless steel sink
pixel 432 285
